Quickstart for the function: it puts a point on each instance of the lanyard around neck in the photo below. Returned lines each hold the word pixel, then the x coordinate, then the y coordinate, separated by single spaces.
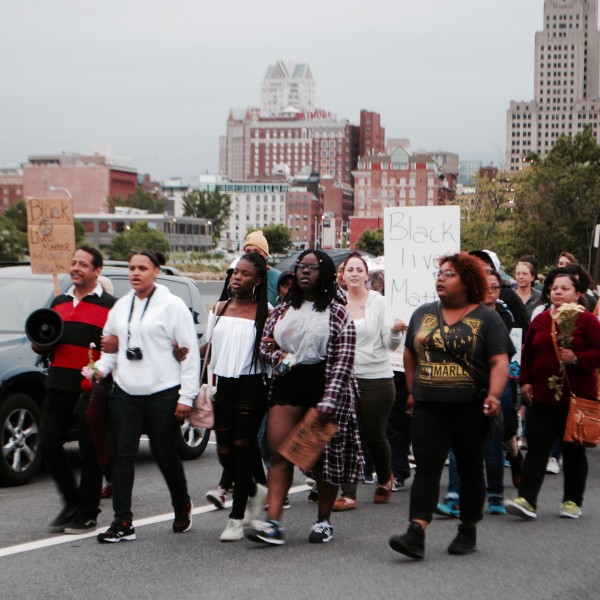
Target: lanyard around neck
pixel 143 311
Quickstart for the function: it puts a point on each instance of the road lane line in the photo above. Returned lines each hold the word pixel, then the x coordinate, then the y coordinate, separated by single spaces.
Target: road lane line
pixel 66 539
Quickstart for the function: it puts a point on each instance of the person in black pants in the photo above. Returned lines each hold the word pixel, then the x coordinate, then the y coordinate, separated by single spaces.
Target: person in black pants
pixel 83 309
pixel 456 364
pixel 398 433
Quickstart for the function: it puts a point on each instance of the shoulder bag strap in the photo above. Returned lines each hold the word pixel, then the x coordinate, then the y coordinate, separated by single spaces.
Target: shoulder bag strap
pixel 209 343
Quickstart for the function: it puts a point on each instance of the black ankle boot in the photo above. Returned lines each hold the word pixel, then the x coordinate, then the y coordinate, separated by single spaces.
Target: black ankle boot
pixel 412 543
pixel 466 540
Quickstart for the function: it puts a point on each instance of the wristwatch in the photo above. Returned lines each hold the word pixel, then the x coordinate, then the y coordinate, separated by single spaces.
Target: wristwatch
pixel 575 361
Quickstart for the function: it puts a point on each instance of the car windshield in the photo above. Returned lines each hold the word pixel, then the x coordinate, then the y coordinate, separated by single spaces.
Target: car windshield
pixel 19 298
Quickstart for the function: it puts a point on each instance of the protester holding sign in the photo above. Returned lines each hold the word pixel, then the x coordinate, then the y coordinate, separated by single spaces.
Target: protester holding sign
pixel 309 340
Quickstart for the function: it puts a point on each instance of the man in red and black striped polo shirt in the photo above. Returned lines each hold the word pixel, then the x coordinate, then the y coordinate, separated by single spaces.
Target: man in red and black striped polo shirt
pixel 84 309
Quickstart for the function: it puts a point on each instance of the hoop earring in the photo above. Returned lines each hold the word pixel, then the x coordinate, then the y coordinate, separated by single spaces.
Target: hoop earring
pixel 254 292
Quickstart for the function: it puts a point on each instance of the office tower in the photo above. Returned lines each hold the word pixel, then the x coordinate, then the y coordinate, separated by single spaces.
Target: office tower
pixel 566 87
pixel 287 85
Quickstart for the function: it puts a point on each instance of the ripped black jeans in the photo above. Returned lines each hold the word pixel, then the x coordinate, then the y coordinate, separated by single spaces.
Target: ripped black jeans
pixel 240 405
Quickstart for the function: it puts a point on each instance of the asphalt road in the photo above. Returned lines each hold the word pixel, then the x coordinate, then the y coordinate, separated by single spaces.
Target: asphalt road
pixel 550 558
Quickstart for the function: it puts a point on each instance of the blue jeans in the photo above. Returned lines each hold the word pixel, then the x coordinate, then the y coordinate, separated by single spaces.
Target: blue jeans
pixel 157 411
pixel 493 456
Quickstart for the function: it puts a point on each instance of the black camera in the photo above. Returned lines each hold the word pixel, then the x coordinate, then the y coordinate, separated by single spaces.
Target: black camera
pixel 134 354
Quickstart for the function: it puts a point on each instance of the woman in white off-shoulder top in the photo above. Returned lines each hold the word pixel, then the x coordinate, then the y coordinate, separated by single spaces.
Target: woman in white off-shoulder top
pixel 235 329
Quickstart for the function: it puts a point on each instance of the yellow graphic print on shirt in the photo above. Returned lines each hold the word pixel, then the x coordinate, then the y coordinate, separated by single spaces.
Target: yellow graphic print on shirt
pixel 437 365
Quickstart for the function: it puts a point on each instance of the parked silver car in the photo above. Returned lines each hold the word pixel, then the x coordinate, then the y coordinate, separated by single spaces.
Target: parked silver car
pixel 23 373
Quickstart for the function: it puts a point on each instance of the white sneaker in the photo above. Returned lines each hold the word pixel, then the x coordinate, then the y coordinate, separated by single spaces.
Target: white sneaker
pixel 553 466
pixel 217 497
pixel 233 531
pixel 255 505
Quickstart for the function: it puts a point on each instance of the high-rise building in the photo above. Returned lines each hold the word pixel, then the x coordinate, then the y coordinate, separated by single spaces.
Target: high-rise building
pixel 371 138
pixel 287 84
pixel 256 147
pixel 566 88
pixel 11 187
pixel 288 135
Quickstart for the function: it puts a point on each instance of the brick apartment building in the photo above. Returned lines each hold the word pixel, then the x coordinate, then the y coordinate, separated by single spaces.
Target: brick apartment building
pixel 90 179
pixel 11 187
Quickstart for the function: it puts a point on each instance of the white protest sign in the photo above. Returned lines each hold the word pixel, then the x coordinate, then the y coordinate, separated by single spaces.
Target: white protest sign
pixel 414 238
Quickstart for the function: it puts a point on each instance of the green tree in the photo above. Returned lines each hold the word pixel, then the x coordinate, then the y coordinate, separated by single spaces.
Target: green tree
pixel 279 237
pixel 211 205
pixel 13 243
pixel 80 233
pixel 140 199
pixel 371 240
pixel 18 215
pixel 488 217
pixel 558 205
pixel 139 236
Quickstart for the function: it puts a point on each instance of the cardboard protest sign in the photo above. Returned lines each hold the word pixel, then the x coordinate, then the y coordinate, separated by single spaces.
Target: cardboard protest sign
pixel 414 238
pixel 306 442
pixel 51 234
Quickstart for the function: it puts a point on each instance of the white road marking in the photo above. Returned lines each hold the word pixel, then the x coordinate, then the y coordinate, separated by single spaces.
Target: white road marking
pixel 66 539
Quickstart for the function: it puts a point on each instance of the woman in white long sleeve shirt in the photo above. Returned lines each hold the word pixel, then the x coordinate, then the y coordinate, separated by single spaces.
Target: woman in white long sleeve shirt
pixel 152 386
pixel 374 376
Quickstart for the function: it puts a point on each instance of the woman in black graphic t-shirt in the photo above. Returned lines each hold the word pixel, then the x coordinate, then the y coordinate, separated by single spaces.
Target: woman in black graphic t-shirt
pixel 456 365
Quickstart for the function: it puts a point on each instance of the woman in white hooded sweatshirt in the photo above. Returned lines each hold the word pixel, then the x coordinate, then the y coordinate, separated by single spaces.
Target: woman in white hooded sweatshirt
pixel 374 376
pixel 152 386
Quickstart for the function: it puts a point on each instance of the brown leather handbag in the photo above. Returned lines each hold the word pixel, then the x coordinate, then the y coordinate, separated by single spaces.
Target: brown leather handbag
pixel 583 422
pixel 583 419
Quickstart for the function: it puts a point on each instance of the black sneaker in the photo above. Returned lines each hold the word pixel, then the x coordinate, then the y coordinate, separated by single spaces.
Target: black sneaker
pixel 398 485
pixel 119 531
pixel 321 532
pixel 267 532
pixel 64 518
pixel 81 523
pixel 466 540
pixel 286 503
pixel 412 543
pixel 183 519
pixel 313 495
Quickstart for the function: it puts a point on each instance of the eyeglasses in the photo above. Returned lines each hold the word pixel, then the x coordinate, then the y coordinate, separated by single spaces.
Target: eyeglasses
pixel 447 274
pixel 494 288
pixel 311 268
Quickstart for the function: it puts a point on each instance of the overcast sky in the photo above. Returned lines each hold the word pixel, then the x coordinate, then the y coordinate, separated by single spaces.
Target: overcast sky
pixel 156 79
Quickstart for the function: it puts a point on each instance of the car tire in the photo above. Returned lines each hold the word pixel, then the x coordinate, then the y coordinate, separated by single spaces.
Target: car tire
pixel 20 439
pixel 192 442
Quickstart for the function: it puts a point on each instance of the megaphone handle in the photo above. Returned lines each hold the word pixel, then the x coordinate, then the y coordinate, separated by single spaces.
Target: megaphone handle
pixel 56 284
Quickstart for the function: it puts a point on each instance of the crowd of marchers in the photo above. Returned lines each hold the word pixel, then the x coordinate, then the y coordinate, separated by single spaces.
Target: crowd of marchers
pixel 313 345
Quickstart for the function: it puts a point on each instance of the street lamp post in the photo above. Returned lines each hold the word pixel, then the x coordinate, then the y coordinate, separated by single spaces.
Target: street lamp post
pixel 57 188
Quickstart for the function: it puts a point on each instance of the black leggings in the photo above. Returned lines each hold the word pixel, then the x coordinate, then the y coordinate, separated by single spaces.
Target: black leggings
pixel 239 409
pixel 437 427
pixel 546 422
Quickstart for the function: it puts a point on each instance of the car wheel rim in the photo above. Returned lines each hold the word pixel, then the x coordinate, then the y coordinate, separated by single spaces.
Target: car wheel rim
pixel 192 435
pixel 20 440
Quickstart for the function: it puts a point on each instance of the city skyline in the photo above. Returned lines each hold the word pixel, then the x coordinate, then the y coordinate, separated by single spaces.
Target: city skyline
pixel 156 84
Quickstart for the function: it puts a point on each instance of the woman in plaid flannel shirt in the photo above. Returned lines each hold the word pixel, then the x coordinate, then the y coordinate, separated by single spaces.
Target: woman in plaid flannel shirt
pixel 313 325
